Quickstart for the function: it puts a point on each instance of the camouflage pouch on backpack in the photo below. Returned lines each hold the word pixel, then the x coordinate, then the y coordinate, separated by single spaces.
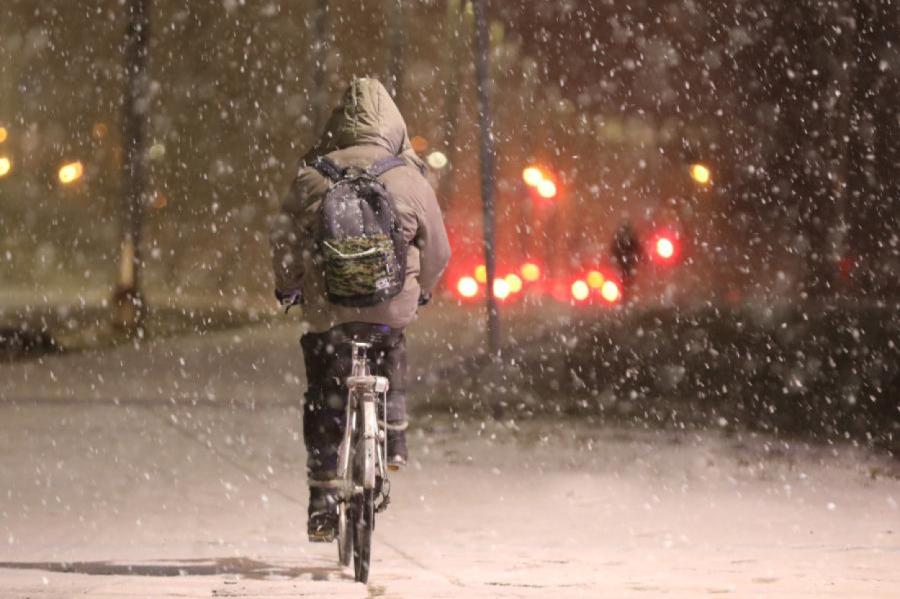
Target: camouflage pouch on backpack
pixel 358 266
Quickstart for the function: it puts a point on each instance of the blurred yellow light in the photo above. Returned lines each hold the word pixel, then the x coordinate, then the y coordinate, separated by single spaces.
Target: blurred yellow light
pixel 5 166
pixel 547 189
pixel 514 283
pixel 580 290
pixel 467 287
pixel 3 134
pixel 481 273
pixel 610 291
pixel 71 172
pixel 595 279
pixel 531 272
pixel 701 173
pixel 501 289
pixel 532 176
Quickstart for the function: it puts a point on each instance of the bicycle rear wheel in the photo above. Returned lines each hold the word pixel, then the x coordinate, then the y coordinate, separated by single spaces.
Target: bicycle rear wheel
pixel 345 534
pixel 363 525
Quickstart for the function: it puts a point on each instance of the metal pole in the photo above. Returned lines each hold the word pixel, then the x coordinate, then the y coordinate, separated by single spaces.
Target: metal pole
pixel 136 54
pixel 482 47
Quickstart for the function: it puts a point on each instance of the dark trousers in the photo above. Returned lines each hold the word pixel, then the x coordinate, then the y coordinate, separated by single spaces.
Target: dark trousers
pixel 328 361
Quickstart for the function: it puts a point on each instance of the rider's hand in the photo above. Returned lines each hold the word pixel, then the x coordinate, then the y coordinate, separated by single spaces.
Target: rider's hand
pixel 289 299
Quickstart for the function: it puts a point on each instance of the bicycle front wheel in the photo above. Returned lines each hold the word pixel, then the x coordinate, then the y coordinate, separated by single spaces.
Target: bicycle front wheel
pixel 363 526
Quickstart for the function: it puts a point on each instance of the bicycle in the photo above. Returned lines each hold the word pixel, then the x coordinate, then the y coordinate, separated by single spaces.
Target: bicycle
pixel 363 486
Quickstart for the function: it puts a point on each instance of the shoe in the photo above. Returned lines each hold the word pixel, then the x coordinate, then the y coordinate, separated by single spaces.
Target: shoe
pixel 321 527
pixel 397 454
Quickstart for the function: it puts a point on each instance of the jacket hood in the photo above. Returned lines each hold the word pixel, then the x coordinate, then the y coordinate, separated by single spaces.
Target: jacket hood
pixel 366 115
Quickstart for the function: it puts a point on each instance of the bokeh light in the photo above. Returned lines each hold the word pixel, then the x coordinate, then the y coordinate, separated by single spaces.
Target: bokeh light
pixel 532 176
pixel 665 248
pixel 481 273
pixel 514 282
pixel 580 290
pixel 70 172
pixel 467 287
pixel 437 160
pixel 595 279
pixel 531 272
pixel 701 173
pixel 501 289
pixel 610 292
pixel 546 189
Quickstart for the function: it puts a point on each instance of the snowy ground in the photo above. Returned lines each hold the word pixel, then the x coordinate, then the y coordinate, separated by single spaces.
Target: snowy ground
pixel 108 488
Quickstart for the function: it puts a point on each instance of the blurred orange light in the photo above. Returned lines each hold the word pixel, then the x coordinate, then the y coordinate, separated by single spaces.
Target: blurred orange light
pixel 665 248
pixel 595 279
pixel 467 287
pixel 546 189
pixel 71 172
pixel 5 166
pixel 532 176
pixel 513 282
pixel 610 292
pixel 100 131
pixel 501 289
pixel 531 272
pixel 159 201
pixel 3 134
pixel 419 143
pixel 481 273
pixel 580 290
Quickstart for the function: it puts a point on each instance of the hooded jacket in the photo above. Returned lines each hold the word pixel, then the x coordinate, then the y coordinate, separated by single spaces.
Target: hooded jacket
pixel 365 127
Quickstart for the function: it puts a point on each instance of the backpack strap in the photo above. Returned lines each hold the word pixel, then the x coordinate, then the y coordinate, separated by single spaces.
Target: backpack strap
pixel 382 166
pixel 328 169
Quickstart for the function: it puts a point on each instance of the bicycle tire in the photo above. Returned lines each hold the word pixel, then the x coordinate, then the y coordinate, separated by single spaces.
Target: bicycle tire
pixel 345 534
pixel 364 524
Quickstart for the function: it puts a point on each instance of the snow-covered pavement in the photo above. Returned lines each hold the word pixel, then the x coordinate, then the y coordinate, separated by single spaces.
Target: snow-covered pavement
pixel 108 488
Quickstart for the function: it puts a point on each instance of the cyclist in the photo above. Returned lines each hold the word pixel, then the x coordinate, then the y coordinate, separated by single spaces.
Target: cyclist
pixel 365 128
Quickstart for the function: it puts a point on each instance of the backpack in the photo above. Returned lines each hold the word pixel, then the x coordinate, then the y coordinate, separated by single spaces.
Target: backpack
pixel 359 239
